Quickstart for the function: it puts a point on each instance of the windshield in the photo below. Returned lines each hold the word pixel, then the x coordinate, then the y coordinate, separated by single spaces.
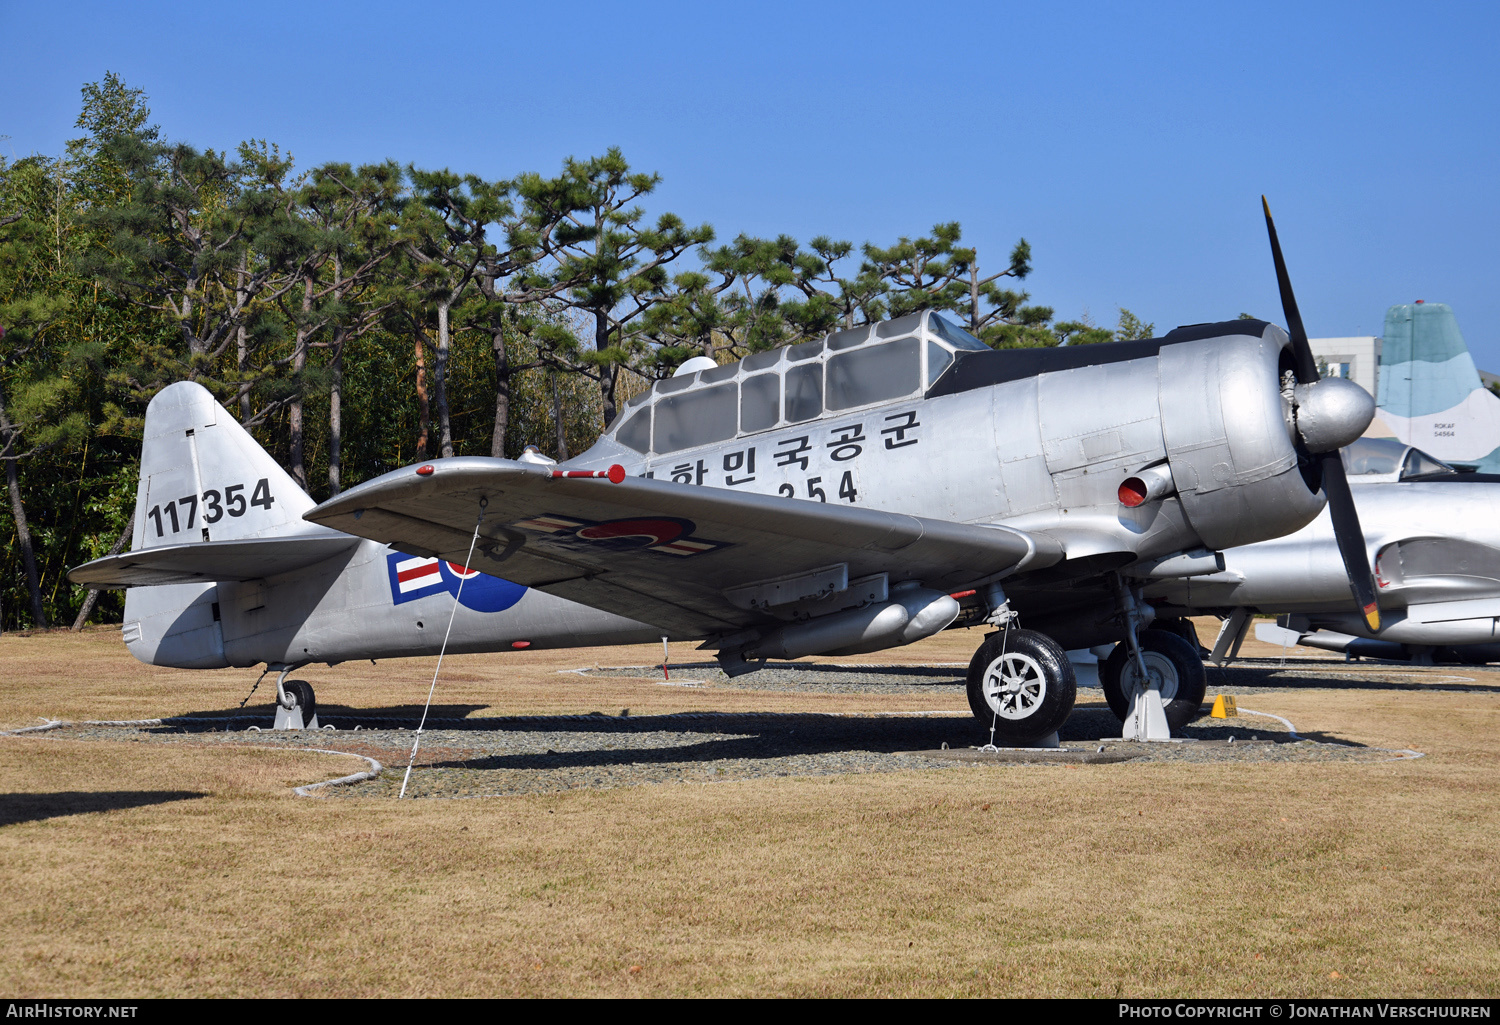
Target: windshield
pixel 1388 457
pixel 954 336
pixel 1419 463
pixel 1365 456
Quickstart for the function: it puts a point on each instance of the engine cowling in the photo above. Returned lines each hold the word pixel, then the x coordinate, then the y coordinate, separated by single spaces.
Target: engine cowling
pixel 1233 454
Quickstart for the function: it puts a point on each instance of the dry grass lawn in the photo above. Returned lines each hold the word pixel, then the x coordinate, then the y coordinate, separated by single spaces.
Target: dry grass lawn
pixel 135 870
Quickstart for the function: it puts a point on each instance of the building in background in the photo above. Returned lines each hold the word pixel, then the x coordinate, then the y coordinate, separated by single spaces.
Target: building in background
pixel 1357 359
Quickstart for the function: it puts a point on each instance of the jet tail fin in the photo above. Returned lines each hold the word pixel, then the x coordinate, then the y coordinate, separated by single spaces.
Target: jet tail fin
pixel 1430 394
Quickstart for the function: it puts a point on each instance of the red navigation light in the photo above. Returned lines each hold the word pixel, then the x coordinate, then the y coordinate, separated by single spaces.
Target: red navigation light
pixel 520 644
pixel 1132 492
pixel 425 470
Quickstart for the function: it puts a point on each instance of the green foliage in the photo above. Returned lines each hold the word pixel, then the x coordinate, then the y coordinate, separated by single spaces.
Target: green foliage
pixel 1131 327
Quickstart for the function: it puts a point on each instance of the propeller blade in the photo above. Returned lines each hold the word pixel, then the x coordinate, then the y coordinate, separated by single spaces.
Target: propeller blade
pixel 1346 528
pixel 1307 366
pixel 1350 537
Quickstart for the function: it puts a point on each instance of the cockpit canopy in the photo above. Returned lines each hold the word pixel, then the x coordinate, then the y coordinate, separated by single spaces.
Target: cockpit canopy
pixel 1367 460
pixel 846 370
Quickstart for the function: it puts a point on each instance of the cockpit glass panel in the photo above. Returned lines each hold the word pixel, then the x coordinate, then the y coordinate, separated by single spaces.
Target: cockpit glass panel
pixel 1367 456
pixel 847 339
pixel 760 402
pixel 717 374
pixel 635 432
pixel 953 335
pixel 874 374
pixel 900 326
pixel 938 360
pixel 1419 462
pixel 804 392
pixel 696 418
pixel 638 398
pixel 672 384
pixel 807 350
pixel 762 360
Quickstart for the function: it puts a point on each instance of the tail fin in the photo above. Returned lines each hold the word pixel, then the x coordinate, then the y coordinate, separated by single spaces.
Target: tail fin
pixel 204 478
pixel 1430 394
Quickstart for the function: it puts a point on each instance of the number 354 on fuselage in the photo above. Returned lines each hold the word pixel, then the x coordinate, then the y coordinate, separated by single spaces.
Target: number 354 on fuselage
pixel 840 496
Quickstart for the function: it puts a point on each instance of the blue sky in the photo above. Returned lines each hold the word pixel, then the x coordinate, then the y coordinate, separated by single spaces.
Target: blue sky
pixel 1129 143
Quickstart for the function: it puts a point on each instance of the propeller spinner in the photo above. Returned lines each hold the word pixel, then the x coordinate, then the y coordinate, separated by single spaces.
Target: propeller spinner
pixel 1329 414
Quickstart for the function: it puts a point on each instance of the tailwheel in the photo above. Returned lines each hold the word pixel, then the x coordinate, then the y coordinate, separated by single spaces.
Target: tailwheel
pixel 300 712
pixel 1174 663
pixel 1023 683
pixel 301 693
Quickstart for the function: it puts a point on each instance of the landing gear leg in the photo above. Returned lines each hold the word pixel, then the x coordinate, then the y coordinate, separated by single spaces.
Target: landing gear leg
pixel 1146 717
pixel 296 704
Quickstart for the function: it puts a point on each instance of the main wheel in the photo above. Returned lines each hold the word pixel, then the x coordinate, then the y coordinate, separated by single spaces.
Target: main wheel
pixel 1023 684
pixel 1175 665
pixel 301 692
pixel 1185 629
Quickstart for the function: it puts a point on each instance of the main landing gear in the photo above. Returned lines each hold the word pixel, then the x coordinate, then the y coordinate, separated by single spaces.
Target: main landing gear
pixel 1021 684
pixel 1154 680
pixel 1174 667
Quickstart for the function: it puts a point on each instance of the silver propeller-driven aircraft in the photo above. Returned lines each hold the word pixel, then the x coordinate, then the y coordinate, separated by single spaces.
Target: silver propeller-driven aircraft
pixel 1434 534
pixel 841 496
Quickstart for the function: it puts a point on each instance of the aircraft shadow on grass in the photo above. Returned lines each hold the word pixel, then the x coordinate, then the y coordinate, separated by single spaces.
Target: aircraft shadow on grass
pixel 34 807
pixel 212 720
pixel 763 737
pixel 1272 678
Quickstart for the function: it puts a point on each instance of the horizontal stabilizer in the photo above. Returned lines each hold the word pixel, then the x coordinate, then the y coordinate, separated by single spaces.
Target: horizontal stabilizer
pixel 246 559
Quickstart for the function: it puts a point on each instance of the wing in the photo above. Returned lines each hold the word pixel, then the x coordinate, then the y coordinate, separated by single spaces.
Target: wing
pixel 247 559
pixel 696 561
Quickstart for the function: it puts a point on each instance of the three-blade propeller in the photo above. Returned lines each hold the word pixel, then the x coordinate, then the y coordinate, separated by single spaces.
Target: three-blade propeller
pixel 1346 529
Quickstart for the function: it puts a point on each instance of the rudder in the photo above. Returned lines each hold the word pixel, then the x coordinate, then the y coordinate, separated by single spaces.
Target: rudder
pixel 203 478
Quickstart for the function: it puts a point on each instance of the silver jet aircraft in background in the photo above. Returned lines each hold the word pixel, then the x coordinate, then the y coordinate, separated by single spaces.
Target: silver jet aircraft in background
pixel 841 496
pixel 1434 534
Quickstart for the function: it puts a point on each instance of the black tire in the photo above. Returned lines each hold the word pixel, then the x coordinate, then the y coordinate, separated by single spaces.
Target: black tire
pixel 1183 680
pixel 1042 678
pixel 1185 629
pixel 301 692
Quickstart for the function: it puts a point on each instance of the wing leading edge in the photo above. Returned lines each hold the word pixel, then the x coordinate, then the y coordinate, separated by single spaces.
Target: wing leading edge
pixel 696 561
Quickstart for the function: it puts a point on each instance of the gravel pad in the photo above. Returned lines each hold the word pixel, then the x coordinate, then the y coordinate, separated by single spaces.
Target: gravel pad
pixel 548 754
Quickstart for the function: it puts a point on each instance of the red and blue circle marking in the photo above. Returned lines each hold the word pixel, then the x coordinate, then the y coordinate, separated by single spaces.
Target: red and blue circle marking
pixel 414 577
pixel 669 535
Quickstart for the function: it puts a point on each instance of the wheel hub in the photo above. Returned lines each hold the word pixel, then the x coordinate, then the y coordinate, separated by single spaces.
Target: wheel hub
pixel 1014 686
pixel 1159 670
